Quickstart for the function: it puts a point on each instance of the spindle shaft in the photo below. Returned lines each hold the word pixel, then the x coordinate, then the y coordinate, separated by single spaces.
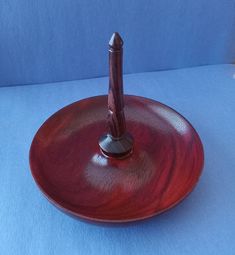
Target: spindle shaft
pixel 117 143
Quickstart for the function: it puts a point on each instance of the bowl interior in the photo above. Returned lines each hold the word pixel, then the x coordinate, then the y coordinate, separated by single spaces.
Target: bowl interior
pixel 69 168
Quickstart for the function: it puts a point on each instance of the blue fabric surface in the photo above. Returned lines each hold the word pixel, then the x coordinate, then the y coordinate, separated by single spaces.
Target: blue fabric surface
pixel 57 40
pixel 204 223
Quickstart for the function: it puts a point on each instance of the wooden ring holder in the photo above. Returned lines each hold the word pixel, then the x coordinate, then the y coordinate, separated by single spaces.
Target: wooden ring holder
pixel 139 161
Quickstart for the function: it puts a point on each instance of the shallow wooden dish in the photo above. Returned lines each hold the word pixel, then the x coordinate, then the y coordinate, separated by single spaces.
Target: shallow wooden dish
pixel 73 173
pixel 116 164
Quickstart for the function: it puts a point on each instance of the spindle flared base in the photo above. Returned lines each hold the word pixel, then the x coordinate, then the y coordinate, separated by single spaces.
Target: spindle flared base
pixel 116 147
pixel 70 169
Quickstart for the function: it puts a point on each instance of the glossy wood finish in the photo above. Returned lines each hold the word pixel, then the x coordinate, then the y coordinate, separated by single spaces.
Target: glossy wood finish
pixel 118 142
pixel 110 175
pixel 73 173
pixel 116 114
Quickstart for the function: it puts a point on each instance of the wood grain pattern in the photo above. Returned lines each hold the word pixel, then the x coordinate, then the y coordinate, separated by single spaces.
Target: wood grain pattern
pixel 72 172
pixel 116 116
pixel 117 142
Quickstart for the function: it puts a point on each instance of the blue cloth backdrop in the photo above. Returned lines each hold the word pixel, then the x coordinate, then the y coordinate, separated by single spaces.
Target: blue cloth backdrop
pixel 57 40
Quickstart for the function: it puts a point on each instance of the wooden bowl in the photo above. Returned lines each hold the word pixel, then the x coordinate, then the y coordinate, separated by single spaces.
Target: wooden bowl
pixel 75 175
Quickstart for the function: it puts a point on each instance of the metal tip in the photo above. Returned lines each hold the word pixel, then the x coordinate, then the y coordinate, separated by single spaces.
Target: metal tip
pixel 116 41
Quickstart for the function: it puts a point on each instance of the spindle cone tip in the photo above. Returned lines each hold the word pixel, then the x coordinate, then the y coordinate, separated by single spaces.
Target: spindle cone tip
pixel 116 41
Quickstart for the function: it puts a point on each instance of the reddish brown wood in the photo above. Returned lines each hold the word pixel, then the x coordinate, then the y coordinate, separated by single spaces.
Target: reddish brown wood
pixel 118 142
pixel 117 124
pixel 85 173
pixel 71 171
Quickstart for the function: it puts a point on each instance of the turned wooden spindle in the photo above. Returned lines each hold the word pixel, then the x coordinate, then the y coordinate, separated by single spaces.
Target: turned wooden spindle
pixel 118 142
pixel 116 117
